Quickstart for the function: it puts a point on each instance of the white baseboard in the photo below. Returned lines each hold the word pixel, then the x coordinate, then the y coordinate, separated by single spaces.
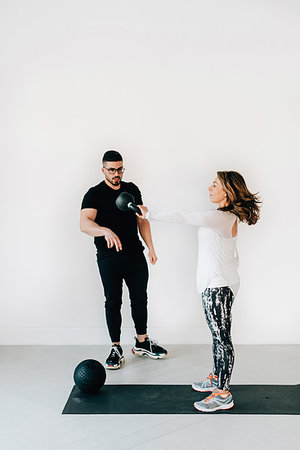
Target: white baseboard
pixel 99 336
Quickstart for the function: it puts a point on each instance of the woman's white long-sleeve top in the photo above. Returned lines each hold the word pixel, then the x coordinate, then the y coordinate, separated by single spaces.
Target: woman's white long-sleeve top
pixel 217 253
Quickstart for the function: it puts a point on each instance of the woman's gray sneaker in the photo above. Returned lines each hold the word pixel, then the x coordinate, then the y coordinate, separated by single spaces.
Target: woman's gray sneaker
pixel 215 401
pixel 115 359
pixel 208 385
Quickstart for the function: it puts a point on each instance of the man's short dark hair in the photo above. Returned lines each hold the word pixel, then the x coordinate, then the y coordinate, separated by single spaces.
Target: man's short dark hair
pixel 111 155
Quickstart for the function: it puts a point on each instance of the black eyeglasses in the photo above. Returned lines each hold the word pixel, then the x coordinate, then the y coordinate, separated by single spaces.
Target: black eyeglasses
pixel 113 171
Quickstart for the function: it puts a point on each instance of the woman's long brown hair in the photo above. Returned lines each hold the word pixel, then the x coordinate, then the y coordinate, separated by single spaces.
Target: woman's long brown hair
pixel 241 202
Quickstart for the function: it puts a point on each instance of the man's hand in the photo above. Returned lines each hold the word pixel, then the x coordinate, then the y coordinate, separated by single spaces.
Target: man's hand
pixel 112 240
pixel 143 209
pixel 152 256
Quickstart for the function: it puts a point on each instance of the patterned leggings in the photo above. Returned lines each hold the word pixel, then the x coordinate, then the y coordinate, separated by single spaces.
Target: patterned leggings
pixel 217 303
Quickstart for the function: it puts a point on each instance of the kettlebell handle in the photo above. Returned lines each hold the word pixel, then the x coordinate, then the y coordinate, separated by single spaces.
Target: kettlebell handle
pixel 134 208
pixel 126 202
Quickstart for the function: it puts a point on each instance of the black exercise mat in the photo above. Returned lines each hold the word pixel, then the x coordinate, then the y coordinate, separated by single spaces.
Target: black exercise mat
pixel 179 399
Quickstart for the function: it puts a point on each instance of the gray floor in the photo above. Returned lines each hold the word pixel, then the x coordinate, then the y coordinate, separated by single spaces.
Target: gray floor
pixel 36 382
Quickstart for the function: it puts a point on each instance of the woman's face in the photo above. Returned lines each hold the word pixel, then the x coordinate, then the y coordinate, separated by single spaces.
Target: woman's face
pixel 217 193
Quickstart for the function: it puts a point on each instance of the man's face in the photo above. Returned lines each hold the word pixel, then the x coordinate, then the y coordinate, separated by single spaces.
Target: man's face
pixel 113 171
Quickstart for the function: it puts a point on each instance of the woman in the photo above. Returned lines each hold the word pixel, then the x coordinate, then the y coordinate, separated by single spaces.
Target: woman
pixel 217 274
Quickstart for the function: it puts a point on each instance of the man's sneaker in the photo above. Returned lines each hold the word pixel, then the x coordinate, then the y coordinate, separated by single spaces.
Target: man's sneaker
pixel 149 348
pixel 215 401
pixel 208 385
pixel 115 359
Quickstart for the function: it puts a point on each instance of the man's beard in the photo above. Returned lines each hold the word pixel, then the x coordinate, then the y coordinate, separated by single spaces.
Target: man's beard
pixel 116 181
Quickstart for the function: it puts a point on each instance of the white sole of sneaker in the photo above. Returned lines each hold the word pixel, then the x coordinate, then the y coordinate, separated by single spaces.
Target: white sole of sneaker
pixel 122 361
pixel 218 408
pixel 203 389
pixel 141 352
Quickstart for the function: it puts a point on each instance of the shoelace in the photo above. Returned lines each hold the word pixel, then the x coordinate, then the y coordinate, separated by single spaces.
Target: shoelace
pixel 152 344
pixel 213 395
pixel 210 377
pixel 115 351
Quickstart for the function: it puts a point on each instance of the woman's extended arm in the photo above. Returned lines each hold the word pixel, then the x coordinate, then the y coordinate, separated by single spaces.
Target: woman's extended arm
pixel 178 216
pixel 217 220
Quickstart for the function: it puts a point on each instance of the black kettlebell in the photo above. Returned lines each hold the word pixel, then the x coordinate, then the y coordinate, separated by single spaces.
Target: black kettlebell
pixel 126 202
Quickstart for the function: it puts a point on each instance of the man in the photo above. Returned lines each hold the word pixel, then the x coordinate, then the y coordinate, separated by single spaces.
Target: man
pixel 120 256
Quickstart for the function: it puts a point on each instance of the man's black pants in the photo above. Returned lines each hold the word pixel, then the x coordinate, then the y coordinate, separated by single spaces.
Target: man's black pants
pixel 133 269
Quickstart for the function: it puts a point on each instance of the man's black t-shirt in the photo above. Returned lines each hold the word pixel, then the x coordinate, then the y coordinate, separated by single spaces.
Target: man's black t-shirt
pixel 122 223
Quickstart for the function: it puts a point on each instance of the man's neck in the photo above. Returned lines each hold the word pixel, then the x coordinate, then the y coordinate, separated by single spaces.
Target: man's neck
pixel 112 186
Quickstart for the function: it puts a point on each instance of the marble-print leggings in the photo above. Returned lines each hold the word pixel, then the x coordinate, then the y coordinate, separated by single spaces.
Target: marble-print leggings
pixel 217 303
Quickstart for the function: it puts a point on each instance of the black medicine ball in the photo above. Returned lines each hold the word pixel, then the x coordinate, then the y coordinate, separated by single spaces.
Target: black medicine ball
pixel 89 376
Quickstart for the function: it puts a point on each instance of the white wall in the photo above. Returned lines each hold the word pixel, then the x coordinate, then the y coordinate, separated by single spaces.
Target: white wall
pixel 182 89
